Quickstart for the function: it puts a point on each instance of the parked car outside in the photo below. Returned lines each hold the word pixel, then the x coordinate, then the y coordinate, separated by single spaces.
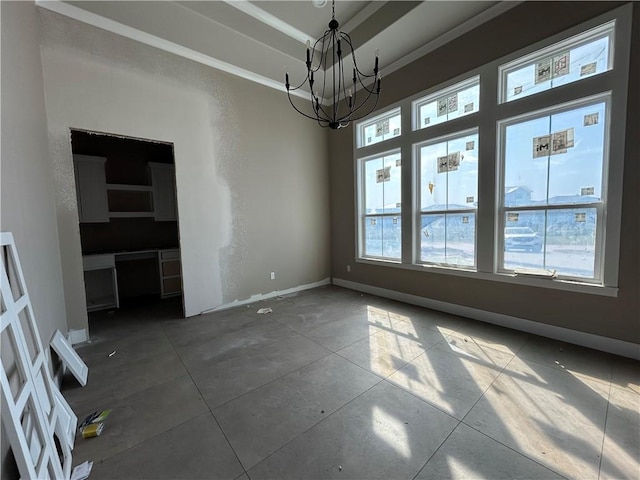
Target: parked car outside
pixel 522 238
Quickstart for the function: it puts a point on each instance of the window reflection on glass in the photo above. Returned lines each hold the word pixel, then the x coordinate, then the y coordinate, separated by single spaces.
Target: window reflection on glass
pixel 454 102
pixel 448 199
pixel 382 206
pixel 449 174
pixel 582 57
pixel 556 159
pixel 380 129
pixel 448 239
pixel 560 239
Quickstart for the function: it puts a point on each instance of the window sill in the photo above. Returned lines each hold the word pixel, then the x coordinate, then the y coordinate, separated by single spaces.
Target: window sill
pixel 556 284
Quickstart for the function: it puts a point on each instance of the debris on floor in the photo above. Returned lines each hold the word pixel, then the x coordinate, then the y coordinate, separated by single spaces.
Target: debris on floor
pixel 82 471
pixel 265 310
pixel 92 430
pixel 95 417
pixel 93 425
pixel 112 354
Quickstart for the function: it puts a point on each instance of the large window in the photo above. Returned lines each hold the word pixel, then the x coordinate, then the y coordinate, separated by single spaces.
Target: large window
pixel 448 191
pixel 553 169
pixel 516 191
pixel 381 221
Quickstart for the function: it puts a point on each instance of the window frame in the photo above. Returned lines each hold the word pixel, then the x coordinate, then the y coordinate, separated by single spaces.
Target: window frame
pixel 364 124
pixel 362 214
pixel 607 29
pixel 417 207
pixel 600 206
pixel 436 95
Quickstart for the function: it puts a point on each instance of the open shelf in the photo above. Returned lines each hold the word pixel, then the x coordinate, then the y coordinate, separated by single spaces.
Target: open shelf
pixel 129 188
pixel 130 214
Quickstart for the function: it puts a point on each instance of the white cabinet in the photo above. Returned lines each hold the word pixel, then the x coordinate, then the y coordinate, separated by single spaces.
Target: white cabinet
pixel 130 201
pixel 99 201
pixel 91 188
pixel 163 181
pixel 170 273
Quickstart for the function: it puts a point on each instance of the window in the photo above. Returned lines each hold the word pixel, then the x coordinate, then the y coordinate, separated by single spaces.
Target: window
pixel 447 192
pixel 448 104
pixel 381 219
pixel 553 164
pixel 380 128
pixel 550 168
pixel 579 57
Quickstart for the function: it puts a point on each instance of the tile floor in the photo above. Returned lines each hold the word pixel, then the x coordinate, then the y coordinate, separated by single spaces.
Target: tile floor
pixel 340 385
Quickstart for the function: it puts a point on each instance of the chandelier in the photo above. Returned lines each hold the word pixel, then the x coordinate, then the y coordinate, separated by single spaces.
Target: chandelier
pixel 353 98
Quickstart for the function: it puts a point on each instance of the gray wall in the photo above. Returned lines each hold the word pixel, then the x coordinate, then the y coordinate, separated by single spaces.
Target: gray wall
pixel 522 26
pixel 27 187
pixel 252 178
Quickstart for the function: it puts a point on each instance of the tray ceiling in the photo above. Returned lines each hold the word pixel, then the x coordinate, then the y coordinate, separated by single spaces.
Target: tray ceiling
pixel 260 40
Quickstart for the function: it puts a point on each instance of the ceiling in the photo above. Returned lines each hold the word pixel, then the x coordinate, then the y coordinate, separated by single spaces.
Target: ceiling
pixel 261 40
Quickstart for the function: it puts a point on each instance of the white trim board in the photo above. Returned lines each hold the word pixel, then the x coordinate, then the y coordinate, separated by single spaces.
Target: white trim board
pixel 597 342
pixel 266 296
pixel 271 20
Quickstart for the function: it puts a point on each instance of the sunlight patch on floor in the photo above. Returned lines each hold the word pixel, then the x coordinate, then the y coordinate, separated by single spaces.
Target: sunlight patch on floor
pixel 392 431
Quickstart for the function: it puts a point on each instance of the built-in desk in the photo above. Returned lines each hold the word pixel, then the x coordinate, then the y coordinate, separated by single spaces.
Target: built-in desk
pixel 101 275
pixel 100 282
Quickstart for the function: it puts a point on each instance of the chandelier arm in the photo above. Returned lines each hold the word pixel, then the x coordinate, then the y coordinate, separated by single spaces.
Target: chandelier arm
pixel 324 81
pixel 349 116
pixel 353 56
pixel 375 103
pixel 318 108
pixel 361 105
pixel 292 89
pixel 372 91
pixel 300 111
pixel 341 86
pixel 323 111
pixel 321 51
pixel 336 103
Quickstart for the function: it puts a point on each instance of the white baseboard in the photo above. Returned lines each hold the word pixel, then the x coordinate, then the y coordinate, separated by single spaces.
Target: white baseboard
pixel 78 336
pixel 266 296
pixel 597 342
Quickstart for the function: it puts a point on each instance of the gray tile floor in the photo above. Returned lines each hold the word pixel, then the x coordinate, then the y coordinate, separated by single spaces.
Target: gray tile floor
pixel 340 385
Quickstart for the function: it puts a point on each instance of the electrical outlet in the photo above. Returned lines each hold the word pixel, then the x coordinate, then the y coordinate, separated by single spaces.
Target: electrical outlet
pixel 273 275
pixel 348 268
